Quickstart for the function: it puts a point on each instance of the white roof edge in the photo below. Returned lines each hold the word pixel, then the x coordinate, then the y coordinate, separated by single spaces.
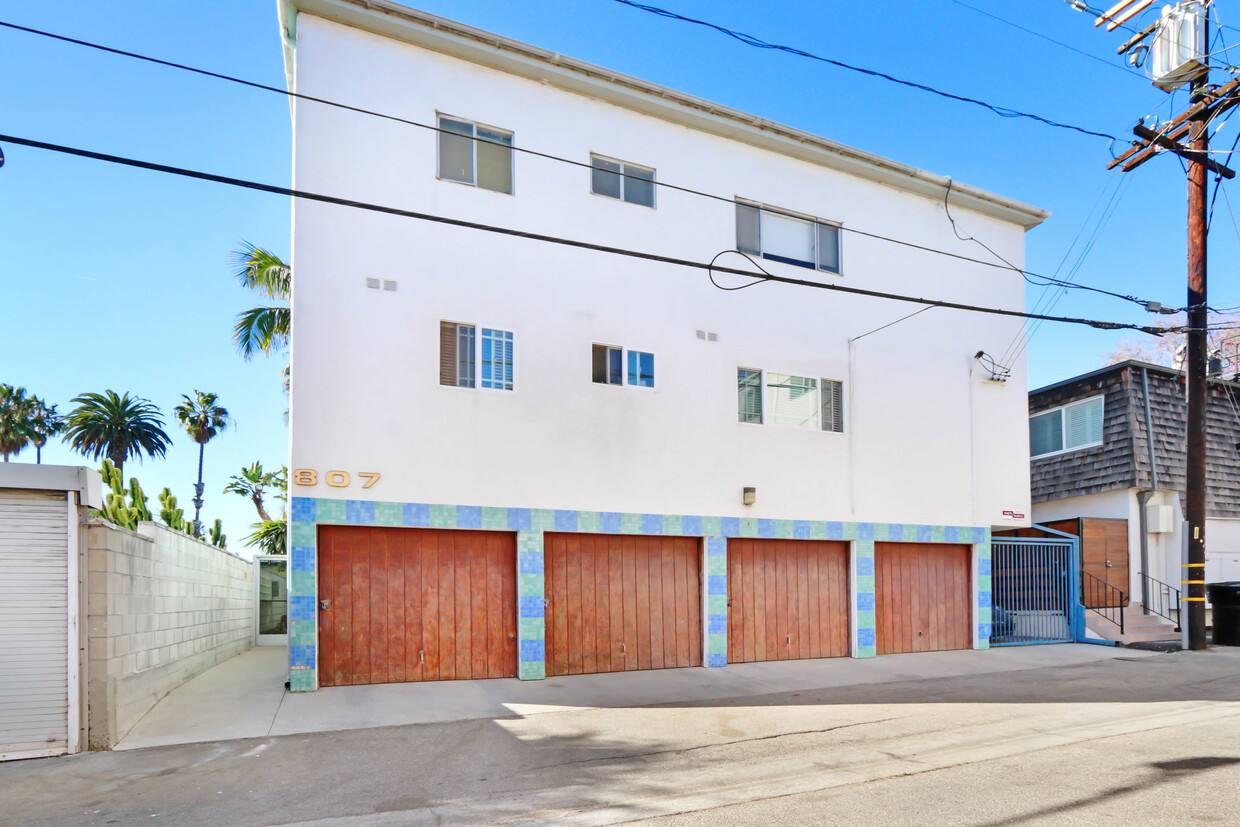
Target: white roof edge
pixel 458 40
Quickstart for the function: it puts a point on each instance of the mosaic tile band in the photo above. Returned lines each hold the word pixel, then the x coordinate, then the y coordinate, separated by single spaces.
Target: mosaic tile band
pixel 307 513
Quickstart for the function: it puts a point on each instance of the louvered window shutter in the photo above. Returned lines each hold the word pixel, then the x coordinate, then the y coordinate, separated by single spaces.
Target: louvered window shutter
pixel 833 406
pixel 749 395
pixel 447 353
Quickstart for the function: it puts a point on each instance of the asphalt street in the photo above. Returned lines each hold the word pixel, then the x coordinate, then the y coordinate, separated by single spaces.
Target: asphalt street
pixel 1146 740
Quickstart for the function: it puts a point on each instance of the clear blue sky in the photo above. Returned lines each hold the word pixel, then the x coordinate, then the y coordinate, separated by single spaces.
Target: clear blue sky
pixel 118 278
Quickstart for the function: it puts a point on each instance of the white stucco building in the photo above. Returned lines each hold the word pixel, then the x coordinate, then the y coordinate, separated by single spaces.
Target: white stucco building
pixel 448 379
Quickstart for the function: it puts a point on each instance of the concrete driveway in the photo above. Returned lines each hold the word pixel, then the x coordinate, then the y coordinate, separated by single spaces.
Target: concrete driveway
pixel 245 697
pixel 1118 737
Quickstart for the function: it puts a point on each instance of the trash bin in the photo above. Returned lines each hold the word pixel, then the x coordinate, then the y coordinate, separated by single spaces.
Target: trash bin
pixel 1225 599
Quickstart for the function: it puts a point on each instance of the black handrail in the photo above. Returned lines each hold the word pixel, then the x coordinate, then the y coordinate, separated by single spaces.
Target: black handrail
pixel 1100 596
pixel 1162 599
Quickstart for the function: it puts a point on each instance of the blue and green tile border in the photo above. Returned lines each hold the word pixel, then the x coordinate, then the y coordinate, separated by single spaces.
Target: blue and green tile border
pixel 530 524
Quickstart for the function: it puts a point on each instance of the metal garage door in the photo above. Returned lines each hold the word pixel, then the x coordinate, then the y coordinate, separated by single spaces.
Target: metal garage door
pixel 410 604
pixel 619 603
pixel 787 599
pixel 922 597
pixel 34 624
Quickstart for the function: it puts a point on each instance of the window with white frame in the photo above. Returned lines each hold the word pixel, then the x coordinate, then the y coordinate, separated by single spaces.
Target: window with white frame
pixel 469 357
pixel 766 397
pixel 779 236
pixel 474 154
pixel 622 180
pixel 614 365
pixel 1068 428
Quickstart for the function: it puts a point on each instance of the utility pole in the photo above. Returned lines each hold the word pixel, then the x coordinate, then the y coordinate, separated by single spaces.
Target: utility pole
pixel 1170 70
pixel 1196 369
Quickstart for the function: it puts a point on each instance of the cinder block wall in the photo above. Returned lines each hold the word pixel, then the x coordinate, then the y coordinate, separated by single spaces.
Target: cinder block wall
pixel 162 607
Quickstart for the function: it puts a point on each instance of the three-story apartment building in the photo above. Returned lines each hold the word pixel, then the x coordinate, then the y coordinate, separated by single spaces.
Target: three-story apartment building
pixel 513 457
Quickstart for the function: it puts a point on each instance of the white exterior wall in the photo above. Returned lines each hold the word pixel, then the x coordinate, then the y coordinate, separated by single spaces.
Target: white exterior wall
pixel 926 441
pixel 1222 550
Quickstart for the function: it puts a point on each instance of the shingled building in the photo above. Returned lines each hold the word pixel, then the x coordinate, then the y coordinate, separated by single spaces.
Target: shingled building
pixel 1108 447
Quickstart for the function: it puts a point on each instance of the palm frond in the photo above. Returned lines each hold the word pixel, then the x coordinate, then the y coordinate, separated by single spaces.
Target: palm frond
pixel 262 330
pixel 262 270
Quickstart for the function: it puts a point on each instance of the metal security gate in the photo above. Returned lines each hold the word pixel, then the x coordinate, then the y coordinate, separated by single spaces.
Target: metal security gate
pixel 1034 588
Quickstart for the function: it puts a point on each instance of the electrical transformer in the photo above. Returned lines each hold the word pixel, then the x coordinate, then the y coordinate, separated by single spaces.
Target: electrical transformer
pixel 1178 52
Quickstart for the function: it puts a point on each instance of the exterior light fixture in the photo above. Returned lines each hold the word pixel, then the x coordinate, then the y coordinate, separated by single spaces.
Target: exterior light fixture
pixel 749 495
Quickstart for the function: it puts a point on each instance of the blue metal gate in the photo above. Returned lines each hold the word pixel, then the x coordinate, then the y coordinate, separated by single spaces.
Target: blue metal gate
pixel 1034 589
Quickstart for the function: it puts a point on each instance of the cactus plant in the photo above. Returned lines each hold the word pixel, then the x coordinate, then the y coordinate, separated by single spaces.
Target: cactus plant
pixel 137 497
pixel 217 534
pixel 172 516
pixel 116 510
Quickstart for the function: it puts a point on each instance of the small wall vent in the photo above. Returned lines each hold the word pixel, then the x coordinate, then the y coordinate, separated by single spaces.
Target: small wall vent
pixel 708 336
pixel 389 285
pixel 372 284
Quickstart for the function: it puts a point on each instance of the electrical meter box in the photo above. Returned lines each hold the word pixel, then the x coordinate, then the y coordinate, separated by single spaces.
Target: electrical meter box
pixel 1159 519
pixel 1178 52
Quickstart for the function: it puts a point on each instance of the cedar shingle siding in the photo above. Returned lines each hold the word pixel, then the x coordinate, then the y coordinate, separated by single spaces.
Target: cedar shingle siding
pixel 1122 459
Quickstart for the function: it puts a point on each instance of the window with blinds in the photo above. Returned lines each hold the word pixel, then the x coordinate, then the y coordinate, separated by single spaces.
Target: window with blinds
pixel 497 359
pixel 833 406
pixel 622 180
pixel 764 397
pixel 470 153
pixel 462 352
pixel 778 236
pixel 1069 428
pixel 749 395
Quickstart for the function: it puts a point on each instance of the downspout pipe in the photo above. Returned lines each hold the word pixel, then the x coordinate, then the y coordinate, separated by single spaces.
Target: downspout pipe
pixel 1144 496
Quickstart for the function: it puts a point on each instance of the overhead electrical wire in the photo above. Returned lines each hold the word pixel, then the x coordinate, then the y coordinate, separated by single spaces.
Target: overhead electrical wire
pixel 1049 39
pixel 1057 295
pixel 535 153
pixel 1024 332
pixel 759 43
pixel 708 267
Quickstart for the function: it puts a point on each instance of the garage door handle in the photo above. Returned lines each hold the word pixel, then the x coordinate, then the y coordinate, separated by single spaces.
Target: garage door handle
pixel 624 650
pixel 421 656
pixel 324 605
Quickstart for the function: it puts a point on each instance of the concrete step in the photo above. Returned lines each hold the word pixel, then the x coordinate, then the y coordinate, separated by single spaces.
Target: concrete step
pixel 1138 626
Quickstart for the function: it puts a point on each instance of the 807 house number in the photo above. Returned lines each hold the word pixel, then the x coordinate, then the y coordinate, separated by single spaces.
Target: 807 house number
pixel 336 479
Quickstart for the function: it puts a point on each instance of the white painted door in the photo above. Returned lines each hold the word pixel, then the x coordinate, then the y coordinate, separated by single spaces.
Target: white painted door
pixel 34 623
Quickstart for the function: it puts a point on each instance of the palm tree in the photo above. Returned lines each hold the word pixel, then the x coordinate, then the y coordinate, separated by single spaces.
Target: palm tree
pixel 253 482
pixel 263 329
pixel 117 427
pixel 202 419
pixel 44 423
pixel 16 430
pixel 271 536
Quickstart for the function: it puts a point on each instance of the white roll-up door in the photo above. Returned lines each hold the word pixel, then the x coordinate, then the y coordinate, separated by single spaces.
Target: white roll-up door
pixel 34 618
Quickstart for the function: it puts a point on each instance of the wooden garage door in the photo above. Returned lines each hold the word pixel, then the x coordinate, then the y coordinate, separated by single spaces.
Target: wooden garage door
pixel 787 599
pixel 922 597
pixel 410 604
pixel 619 603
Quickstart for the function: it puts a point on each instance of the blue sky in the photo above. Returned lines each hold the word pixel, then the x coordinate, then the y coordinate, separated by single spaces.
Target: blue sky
pixel 118 278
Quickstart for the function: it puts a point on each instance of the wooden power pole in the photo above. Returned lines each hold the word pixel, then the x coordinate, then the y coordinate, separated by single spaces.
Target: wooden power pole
pixel 1205 104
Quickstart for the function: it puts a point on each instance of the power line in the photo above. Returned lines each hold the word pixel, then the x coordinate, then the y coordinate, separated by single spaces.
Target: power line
pixel 759 43
pixel 1047 38
pixel 535 153
pixel 709 267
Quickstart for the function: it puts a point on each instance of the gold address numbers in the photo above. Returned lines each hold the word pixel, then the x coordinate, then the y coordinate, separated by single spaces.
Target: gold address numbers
pixel 336 479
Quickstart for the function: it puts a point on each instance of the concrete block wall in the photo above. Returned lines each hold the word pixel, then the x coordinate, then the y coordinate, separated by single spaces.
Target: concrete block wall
pixel 162 608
